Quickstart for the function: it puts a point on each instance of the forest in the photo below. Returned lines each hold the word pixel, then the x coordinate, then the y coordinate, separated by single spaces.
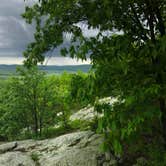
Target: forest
pixel 128 58
pixel 33 102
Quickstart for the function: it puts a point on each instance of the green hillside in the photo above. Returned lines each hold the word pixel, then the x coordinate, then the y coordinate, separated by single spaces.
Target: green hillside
pixel 7 70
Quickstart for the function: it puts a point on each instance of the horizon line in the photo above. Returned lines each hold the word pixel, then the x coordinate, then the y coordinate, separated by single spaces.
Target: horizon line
pixel 49 65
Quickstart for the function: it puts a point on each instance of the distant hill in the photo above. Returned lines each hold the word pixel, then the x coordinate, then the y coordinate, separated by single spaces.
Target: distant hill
pixel 6 70
pixel 68 68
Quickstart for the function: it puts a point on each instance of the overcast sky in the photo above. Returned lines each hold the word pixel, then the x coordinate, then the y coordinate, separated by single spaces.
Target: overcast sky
pixel 15 34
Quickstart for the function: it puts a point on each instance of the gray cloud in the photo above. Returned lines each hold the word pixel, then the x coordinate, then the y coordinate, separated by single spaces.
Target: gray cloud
pixel 15 34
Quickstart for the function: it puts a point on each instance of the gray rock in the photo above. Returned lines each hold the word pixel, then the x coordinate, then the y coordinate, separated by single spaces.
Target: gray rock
pixel 15 159
pixel 7 147
pixel 74 149
pixel 74 157
pixel 88 113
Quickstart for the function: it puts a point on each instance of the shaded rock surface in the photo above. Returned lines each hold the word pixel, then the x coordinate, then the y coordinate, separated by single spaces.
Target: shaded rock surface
pixel 74 149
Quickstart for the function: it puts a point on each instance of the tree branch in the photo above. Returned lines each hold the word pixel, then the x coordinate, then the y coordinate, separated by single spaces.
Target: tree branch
pixel 161 22
pixel 138 22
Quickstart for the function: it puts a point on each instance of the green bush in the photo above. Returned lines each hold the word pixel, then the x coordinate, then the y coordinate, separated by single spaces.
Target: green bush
pixel 84 125
pixel 52 132
pixel 35 158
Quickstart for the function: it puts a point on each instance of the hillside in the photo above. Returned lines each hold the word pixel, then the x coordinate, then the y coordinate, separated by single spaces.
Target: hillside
pixel 6 70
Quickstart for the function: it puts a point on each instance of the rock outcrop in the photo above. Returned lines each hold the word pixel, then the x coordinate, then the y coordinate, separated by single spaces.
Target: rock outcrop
pixel 74 149
pixel 16 159
pixel 88 113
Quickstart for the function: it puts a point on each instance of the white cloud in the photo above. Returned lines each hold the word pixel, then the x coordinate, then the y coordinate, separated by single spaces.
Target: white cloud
pixel 64 61
pixel 88 32
pixel 59 61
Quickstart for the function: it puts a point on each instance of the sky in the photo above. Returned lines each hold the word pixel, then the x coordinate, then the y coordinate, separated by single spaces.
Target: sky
pixel 15 34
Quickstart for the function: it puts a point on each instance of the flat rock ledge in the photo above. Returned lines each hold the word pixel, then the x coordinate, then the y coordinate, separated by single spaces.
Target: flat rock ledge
pixel 74 149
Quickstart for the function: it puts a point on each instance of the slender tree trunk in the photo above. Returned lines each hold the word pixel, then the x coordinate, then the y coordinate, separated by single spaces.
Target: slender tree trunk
pixel 41 125
pixel 36 123
pixel 35 112
pixel 42 109
pixel 65 124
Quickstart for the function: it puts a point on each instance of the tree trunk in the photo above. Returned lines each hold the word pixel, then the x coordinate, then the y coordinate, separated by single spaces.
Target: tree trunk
pixel 65 124
pixel 163 118
pixel 41 125
pixel 157 62
pixel 35 112
pixel 36 124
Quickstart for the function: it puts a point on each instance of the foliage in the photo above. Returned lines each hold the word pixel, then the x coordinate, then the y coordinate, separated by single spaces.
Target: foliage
pixel 129 65
pixel 28 102
pixel 84 125
pixel 33 103
pixel 52 132
pixel 35 158
pixel 82 88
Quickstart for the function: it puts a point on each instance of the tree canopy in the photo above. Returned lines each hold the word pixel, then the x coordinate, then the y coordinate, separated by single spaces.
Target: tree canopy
pixel 127 54
pixel 32 103
pixel 141 21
